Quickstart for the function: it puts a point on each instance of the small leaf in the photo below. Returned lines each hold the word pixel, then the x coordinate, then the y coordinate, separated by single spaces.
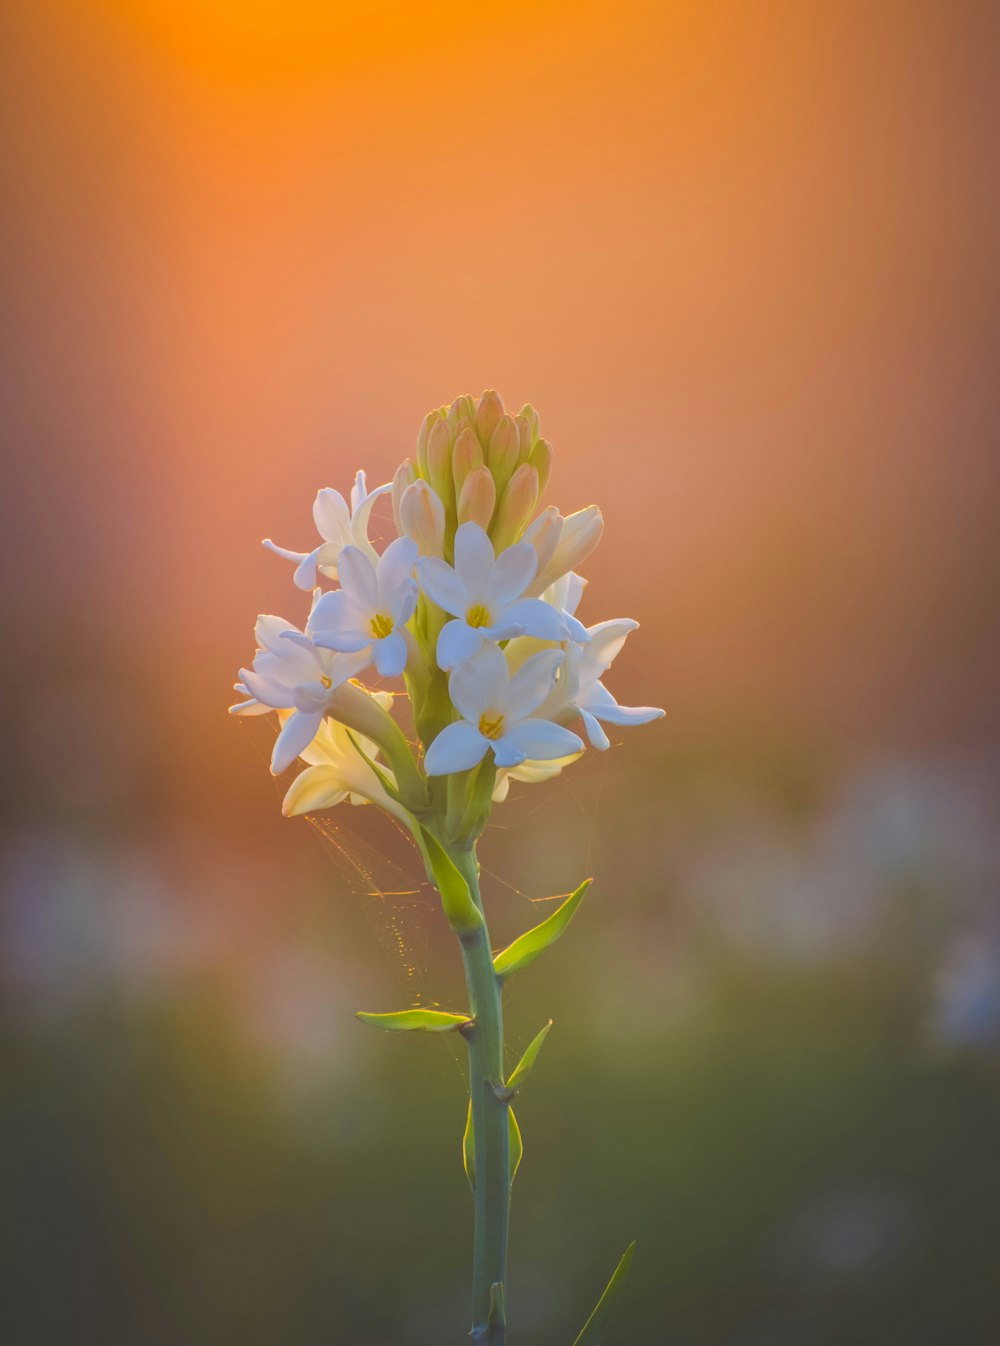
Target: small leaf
pixel 521 1070
pixel 461 911
pixel 469 1146
pixel 527 948
pixel 596 1325
pixel 383 780
pixel 421 1020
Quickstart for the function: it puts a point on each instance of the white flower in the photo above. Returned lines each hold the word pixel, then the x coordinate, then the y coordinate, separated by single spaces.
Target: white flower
pixel 561 543
pixel 369 612
pixel 484 594
pixel 339 527
pixel 530 773
pixel 290 673
pixel 497 713
pixel 336 770
pixel 580 690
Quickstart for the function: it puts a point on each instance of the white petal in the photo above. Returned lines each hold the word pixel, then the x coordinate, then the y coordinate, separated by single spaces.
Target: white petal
pixel 359 491
pixel 283 552
pixel 305 571
pixel 318 787
pixel 311 697
pixel 395 570
pixel 604 644
pixel 539 740
pixel 532 683
pixel 595 732
pixel 534 617
pixel 390 655
pixel 501 787
pixel 251 707
pixel 267 691
pixel 362 510
pixel 457 642
pixel 269 630
pixel 598 701
pixel 331 516
pixel 513 572
pixel 458 747
pixel 357 578
pixel 474 558
pixel 297 733
pixel 442 585
pixel 335 623
pixel 480 683
pixel 405 604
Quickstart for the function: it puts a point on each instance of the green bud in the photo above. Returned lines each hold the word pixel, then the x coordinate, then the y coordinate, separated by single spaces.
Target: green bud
pixel 504 450
pixel 530 415
pixel 466 455
pixel 477 498
pixel 488 414
pixel 516 507
pixel 541 461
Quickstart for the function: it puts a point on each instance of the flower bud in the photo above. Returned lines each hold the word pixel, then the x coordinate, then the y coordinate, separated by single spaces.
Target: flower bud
pixel 525 438
pixel 462 409
pixel 530 416
pixel 543 534
pixel 516 506
pixel 421 516
pixel 406 475
pixel 426 427
pixel 439 461
pixel 541 461
pixel 466 455
pixel 477 498
pixel 579 535
pixel 504 450
pixel 488 414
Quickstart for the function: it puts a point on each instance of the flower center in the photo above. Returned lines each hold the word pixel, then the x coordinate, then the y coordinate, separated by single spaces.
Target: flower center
pixel 327 682
pixel 478 615
pixel 381 625
pixel 490 728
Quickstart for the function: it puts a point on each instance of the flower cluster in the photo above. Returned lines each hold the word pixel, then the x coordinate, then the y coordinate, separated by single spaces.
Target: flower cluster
pixel 473 606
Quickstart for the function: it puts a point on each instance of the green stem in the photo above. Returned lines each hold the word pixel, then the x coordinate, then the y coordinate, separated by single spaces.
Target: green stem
pixel 489 1116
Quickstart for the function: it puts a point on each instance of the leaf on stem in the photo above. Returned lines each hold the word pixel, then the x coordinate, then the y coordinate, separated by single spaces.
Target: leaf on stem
pixel 523 1067
pixel 469 1146
pixel 596 1325
pixel 421 1020
pixel 461 911
pixel 527 947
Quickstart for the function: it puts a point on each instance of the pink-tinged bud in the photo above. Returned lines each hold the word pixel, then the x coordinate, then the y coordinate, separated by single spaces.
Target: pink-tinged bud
pixel 543 534
pixel 530 416
pixel 579 535
pixel 516 507
pixel 439 461
pixel 462 409
pixel 429 421
pixel 406 475
pixel 477 498
pixel 541 460
pixel 488 414
pixel 504 450
pixel 525 439
pixel 421 515
pixel 465 456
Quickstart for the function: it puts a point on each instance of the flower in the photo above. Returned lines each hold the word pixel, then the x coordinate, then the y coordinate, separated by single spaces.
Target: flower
pixel 580 690
pixel 291 673
pixel 497 714
pixel 484 595
pixel 530 773
pixel 336 770
pixel 368 613
pixel 562 543
pixel 339 527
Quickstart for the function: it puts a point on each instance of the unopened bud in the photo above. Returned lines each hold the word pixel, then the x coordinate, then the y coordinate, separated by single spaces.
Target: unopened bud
pixel 516 506
pixel 530 415
pixel 465 456
pixel 543 534
pixel 462 409
pixel 426 427
pixel 421 516
pixel 541 460
pixel 525 438
pixel 439 461
pixel 578 537
pixel 477 498
pixel 504 450
pixel 488 414
pixel 406 475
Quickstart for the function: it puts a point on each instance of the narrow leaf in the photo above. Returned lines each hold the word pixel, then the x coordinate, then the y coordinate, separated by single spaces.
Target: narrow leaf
pixel 469 1146
pixel 523 1067
pixel 597 1324
pixel 387 785
pixel 422 1020
pixel 461 911
pixel 527 948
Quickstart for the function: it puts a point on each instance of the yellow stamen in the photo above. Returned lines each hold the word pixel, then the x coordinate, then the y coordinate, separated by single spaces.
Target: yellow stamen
pixel 490 728
pixel 478 615
pixel 381 625
pixel 327 682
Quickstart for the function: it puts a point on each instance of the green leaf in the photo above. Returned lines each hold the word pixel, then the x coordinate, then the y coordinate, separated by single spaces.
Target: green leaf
pixel 523 1067
pixel 596 1325
pixel 469 1146
pixel 461 911
pixel 383 780
pixel 527 948
pixel 421 1020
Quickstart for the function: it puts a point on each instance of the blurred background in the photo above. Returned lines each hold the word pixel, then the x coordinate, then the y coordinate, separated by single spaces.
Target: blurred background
pixel 743 260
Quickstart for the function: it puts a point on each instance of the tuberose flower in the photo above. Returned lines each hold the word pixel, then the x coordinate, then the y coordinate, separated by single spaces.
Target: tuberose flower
pixel 368 613
pixel 292 675
pixel 484 594
pixel 339 527
pixel 580 690
pixel 498 715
